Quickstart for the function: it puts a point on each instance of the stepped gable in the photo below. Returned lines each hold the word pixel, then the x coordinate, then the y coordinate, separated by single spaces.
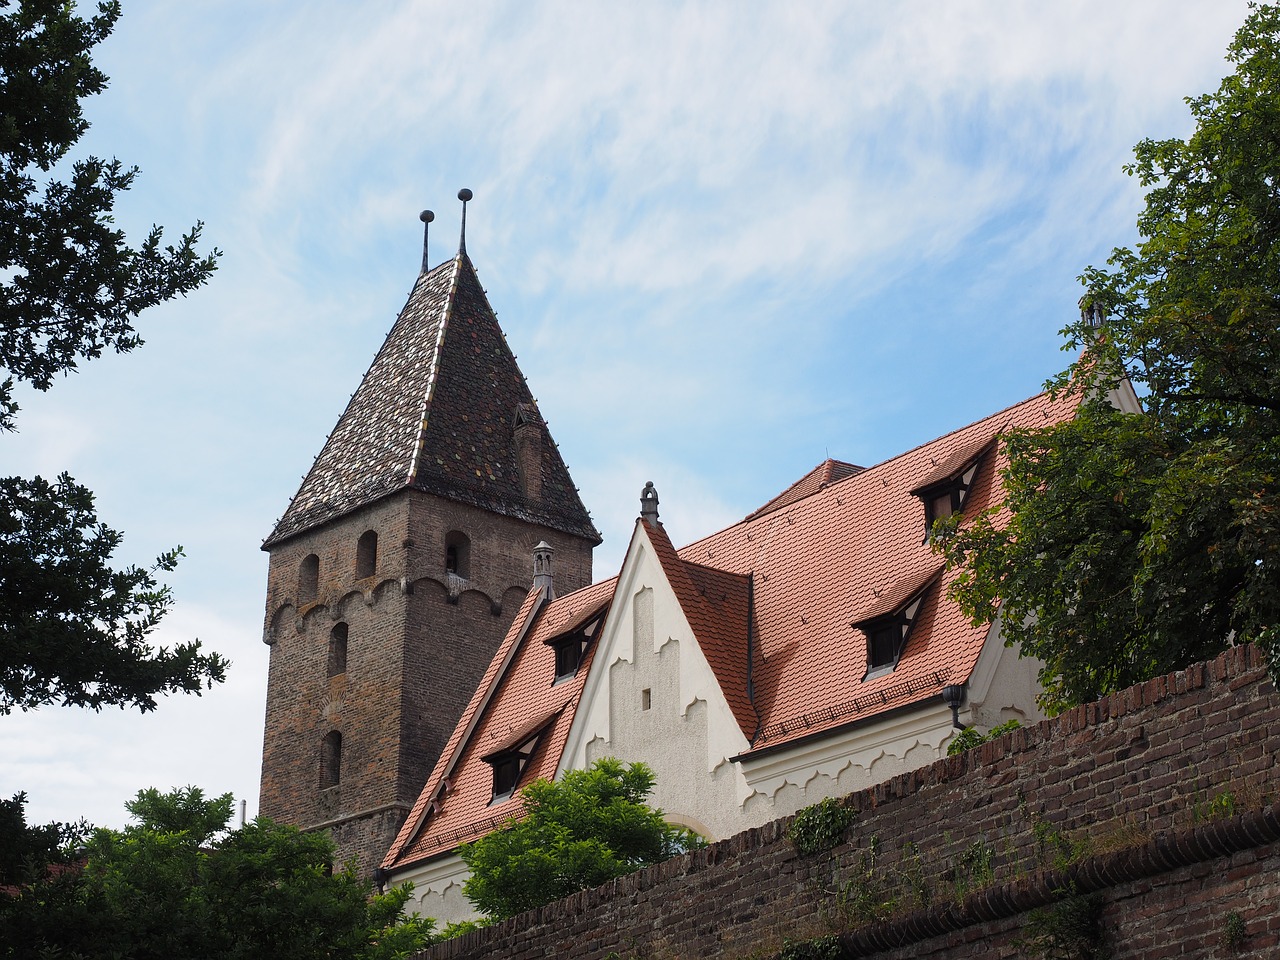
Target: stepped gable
pixel 717 605
pixel 437 411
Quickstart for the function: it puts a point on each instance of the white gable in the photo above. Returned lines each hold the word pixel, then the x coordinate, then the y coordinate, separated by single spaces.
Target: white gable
pixel 652 696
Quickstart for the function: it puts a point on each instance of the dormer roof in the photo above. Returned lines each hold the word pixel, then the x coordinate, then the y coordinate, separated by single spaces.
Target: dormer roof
pixel 437 411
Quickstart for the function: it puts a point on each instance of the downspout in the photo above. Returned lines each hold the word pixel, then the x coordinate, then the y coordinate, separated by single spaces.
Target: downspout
pixel 751 655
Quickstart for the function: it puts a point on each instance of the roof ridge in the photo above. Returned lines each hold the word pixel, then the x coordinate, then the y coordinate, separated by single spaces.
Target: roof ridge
pixel 433 374
pixel 758 515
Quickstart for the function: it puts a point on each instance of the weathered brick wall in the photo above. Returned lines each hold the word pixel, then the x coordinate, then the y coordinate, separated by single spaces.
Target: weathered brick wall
pixel 1159 801
pixel 418 642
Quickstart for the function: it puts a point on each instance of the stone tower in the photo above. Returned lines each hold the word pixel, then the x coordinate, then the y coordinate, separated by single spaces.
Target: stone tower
pixel 401 561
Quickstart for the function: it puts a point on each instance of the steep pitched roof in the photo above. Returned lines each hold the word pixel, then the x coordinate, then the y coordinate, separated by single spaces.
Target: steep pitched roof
pixel 436 411
pixel 516 697
pixel 775 602
pixel 717 605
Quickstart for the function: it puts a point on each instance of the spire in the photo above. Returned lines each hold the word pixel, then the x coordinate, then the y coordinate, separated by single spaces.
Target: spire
pixel 436 412
pixel 426 216
pixel 464 195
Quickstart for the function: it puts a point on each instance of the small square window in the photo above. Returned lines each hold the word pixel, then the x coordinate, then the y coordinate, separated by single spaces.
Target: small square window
pixel 646 699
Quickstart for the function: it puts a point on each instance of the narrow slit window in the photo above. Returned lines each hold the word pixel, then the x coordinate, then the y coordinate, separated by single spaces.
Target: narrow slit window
pixel 457 555
pixel 338 650
pixel 308 578
pixel 367 555
pixel 331 760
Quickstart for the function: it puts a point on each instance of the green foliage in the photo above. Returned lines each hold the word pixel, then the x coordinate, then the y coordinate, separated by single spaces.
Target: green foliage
pixel 72 628
pixel 578 832
pixel 1140 543
pixel 819 948
pixel 179 883
pixel 1234 931
pixel 973 869
pixel 1219 808
pixel 1054 849
pixel 1070 929
pixel 820 827
pixel 969 737
pixel 71 286
pixel 27 853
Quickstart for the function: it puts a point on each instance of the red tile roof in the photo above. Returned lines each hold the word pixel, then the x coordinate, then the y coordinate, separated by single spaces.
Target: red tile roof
pixel 517 690
pixel 787 585
pixel 827 472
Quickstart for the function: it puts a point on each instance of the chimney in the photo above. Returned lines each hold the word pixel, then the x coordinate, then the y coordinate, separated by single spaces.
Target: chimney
pixel 649 504
pixel 542 580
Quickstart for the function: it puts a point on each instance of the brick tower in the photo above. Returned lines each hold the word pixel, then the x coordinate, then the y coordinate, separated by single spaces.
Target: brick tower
pixel 401 561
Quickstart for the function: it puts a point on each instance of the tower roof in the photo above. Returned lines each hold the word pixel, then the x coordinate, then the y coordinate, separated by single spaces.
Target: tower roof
pixel 437 411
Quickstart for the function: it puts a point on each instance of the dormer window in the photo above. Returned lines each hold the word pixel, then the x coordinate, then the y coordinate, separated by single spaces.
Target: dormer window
pixel 945 490
pixel 887 623
pixel 887 637
pixel 572 646
pixel 509 764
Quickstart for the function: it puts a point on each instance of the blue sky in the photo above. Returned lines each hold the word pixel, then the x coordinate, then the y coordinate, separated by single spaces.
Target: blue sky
pixel 725 240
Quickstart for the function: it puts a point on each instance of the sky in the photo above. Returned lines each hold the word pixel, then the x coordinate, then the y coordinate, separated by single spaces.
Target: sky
pixel 726 240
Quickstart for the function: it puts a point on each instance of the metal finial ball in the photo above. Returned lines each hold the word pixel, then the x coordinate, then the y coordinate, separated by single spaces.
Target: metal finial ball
pixel 464 194
pixel 426 216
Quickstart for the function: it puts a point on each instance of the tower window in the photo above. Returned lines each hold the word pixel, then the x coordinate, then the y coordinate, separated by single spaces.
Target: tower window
pixel 330 760
pixel 366 554
pixel 457 554
pixel 338 649
pixel 308 578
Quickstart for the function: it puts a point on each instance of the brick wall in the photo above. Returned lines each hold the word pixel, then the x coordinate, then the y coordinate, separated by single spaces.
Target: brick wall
pixel 418 641
pixel 1158 802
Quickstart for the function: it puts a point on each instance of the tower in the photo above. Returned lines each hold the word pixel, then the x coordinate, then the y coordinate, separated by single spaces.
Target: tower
pixel 402 559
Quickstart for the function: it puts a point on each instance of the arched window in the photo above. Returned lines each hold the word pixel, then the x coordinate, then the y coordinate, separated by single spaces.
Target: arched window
pixel 330 759
pixel 338 649
pixel 308 578
pixel 366 554
pixel 457 554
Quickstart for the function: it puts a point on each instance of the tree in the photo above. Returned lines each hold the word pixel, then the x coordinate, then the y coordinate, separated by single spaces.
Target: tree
pixel 578 832
pixel 1132 545
pixel 72 628
pixel 180 883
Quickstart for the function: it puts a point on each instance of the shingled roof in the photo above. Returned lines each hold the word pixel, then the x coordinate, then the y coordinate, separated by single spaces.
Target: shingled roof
pixel 436 411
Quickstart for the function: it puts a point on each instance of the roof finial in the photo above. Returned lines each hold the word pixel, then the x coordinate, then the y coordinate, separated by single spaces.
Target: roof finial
pixel 1092 312
pixel 464 195
pixel 649 504
pixel 426 216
